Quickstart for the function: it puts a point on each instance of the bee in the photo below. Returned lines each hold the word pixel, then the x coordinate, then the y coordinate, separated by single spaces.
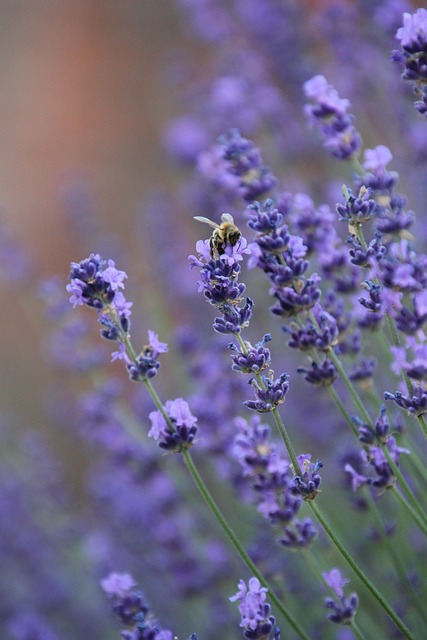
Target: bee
pixel 225 233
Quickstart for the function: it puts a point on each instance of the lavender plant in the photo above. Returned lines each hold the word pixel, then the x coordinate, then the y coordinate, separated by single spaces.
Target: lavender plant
pixel 392 274
pixel 220 465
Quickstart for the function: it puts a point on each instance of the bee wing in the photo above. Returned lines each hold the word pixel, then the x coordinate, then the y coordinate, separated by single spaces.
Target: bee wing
pixel 227 217
pixel 207 221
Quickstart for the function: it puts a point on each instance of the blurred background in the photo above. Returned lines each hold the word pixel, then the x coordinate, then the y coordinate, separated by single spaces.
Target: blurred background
pixel 84 99
pixel 95 157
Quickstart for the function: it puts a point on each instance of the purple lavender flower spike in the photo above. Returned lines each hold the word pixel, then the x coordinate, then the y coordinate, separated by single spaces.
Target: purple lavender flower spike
pixel 264 219
pixel 385 477
pixel 320 376
pixel 97 283
pixel 127 600
pixel 366 257
pixel 307 484
pixel 415 404
pixel 133 612
pixel 245 162
pixel 363 371
pixel 343 608
pixel 357 479
pixel 146 363
pixel 255 611
pixel 291 301
pixel 378 180
pixel 329 112
pixel 321 336
pixel 220 286
pixel 255 360
pixel 413 54
pixel 270 395
pixel 299 536
pixel 177 433
pixel 234 319
pixel 357 209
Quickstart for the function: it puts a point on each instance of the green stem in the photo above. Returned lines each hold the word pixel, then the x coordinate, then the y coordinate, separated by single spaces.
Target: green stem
pixel 411 500
pixel 317 571
pixel 417 464
pixel 350 387
pixel 236 543
pixel 335 397
pixel 287 441
pixel 357 631
pixel 394 556
pixel 277 418
pixel 423 425
pixel 372 588
pixel 155 398
pixel 396 343
pixel 411 510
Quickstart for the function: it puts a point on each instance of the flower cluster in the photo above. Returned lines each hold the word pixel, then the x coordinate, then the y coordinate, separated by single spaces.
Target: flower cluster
pixel 277 491
pixel 132 610
pixel 413 55
pixel 256 620
pixel 307 484
pixel 235 166
pixel 220 286
pixel 379 454
pixel 97 283
pixel 329 111
pixel 343 608
pixel 173 427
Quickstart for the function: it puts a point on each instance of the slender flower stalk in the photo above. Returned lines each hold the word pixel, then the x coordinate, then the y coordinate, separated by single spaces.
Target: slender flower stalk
pixel 323 579
pixel 374 591
pixel 237 545
pixel 277 418
pixel 394 556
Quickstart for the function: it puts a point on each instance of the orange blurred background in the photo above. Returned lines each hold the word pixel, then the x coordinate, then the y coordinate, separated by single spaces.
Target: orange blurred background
pixel 84 93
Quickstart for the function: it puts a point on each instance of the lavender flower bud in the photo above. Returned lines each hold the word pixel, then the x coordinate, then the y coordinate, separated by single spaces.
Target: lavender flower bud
pixel 357 209
pixel 343 608
pixel 97 283
pixel 329 112
pixel 244 161
pixel 270 394
pixel 321 376
pixel 177 432
pixel 132 610
pixel 321 336
pixel 255 611
pixel 255 360
pixel 415 404
pixel 298 536
pixel 234 319
pixel 264 220
pixel 361 257
pixel 291 301
pixel 413 55
pixel 307 484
